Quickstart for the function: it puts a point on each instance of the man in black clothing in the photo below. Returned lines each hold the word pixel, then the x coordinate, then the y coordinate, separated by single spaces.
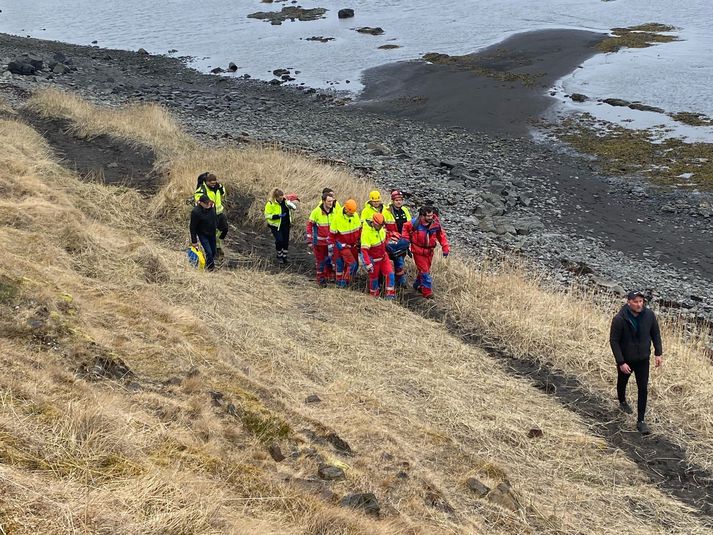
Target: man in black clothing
pixel 633 330
pixel 204 223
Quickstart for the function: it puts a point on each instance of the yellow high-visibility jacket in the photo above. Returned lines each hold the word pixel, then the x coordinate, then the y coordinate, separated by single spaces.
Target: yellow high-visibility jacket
pixel 273 208
pixel 344 229
pixel 368 212
pixel 215 195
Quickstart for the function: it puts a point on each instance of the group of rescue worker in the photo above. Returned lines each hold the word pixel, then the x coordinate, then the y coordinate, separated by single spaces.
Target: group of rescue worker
pixel 382 236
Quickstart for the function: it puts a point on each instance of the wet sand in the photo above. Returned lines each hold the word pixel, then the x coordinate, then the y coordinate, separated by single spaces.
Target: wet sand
pixel 499 90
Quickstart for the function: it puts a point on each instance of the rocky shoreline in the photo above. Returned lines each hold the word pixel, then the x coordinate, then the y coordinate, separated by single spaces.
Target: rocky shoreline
pixel 499 195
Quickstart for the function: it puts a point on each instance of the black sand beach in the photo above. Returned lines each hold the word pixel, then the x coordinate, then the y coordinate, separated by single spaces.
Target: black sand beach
pixel 499 90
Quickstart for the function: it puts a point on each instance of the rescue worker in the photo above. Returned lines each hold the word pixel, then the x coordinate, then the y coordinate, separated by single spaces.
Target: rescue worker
pixel 374 206
pixel 318 237
pixel 208 185
pixel 203 225
pixel 397 246
pixel 423 233
pixel 375 258
pixel 278 213
pixel 344 234
pixel 330 191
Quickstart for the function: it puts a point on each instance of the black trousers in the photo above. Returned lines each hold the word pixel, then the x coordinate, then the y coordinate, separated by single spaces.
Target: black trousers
pixel 641 371
pixel 282 238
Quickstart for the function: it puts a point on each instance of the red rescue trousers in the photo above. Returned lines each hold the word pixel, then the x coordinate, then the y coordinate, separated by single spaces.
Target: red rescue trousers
pixel 323 263
pixel 423 282
pixel 346 263
pixel 382 268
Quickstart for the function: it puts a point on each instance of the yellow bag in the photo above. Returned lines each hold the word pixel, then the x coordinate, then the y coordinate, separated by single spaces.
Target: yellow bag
pixel 196 257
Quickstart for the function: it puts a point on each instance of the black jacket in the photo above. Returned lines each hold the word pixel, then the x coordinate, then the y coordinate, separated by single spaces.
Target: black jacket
pixel 630 344
pixel 204 221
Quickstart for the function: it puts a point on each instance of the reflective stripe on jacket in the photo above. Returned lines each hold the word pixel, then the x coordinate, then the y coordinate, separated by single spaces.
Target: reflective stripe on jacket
pixel 215 195
pixel 318 225
pixel 424 238
pixel 373 244
pixel 344 229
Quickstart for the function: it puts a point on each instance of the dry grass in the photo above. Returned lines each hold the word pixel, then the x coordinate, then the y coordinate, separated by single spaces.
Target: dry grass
pixel 421 410
pixel 570 331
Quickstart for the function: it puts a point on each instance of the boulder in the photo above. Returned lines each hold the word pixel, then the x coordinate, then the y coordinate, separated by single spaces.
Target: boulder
pixel 60 68
pixel 18 67
pixel 216 70
pixel 503 496
pixel 345 13
pixel 313 398
pixel 370 30
pixel 365 501
pixel 616 102
pixel 378 149
pixel 487 209
pixel 291 13
pixel 644 107
pixel 59 57
pixel 280 72
pixel 142 52
pixel 276 453
pixel 330 473
pixel 232 67
pixel 579 97
pixel 477 487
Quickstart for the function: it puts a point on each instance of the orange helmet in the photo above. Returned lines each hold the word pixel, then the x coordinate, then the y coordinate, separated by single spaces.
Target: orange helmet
pixel 350 206
pixel 378 219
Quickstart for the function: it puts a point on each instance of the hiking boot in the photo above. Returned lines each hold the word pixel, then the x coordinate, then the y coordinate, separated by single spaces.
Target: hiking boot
pixel 643 428
pixel 625 407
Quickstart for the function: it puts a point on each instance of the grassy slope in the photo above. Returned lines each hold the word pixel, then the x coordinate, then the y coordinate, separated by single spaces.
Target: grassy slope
pixel 97 277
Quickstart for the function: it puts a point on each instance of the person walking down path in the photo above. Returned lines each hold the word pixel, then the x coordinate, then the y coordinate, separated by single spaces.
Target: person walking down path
pixel 278 213
pixel 376 260
pixel 344 235
pixel 424 232
pixel 318 226
pixel 633 330
pixel 208 185
pixel 203 226
pixel 397 247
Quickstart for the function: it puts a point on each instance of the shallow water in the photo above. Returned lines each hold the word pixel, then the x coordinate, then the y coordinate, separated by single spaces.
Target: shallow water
pixel 675 76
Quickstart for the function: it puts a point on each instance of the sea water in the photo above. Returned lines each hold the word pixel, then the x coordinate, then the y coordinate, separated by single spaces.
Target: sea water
pixel 675 76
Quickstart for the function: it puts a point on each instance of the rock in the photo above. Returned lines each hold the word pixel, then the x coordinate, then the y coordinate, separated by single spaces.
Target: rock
pixel 436 500
pixel 378 149
pixel 526 225
pixel 276 453
pixel 24 69
pixel 389 47
pixel 370 30
pixel 142 52
pixel 365 501
pixel 503 496
pixel 496 187
pixel 280 72
pixel 579 97
pixel 59 57
pixel 339 443
pixel 36 62
pixel 217 70
pixel 610 285
pixel 477 487
pixel 106 367
pixel 345 13
pixel 535 433
pixel 313 398
pixel 320 38
pixel 216 398
pixel 60 68
pixel 644 107
pixel 290 12
pixel 232 67
pixel 487 209
pixel 616 102
pixel 331 473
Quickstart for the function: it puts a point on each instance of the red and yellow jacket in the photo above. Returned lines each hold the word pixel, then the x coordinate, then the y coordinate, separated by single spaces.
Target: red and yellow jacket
pixel 344 229
pixel 318 225
pixel 373 244
pixel 424 238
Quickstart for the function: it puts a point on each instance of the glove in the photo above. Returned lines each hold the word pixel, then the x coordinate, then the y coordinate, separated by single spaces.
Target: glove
pixel 369 268
pixel 276 216
pixel 339 246
pixel 445 255
pixel 291 205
